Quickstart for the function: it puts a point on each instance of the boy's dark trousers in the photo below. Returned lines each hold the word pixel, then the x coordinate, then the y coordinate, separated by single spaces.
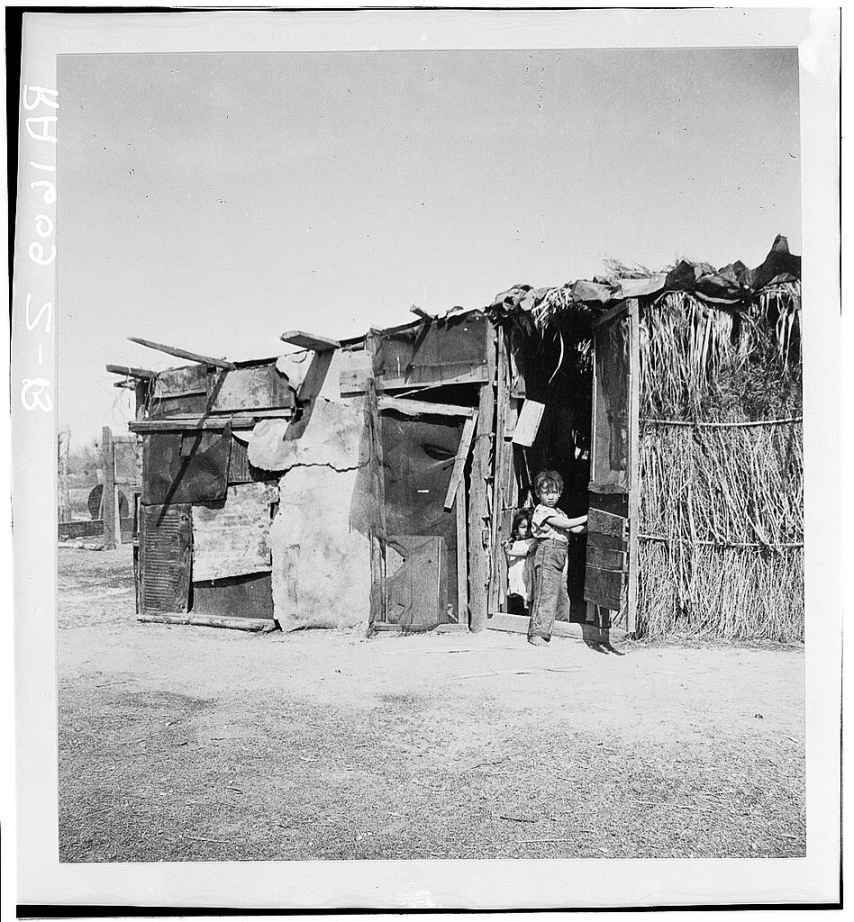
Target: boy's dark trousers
pixel 551 599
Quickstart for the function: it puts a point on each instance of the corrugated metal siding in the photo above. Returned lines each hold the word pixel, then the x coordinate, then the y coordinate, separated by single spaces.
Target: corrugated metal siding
pixel 165 558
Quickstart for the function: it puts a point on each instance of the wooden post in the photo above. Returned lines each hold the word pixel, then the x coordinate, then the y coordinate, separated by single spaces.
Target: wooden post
pixel 377 533
pixel 478 524
pixel 462 557
pixel 498 582
pixel 634 464
pixel 109 498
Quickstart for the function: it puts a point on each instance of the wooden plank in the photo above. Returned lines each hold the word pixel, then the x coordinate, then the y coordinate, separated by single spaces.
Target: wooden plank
pixel 182 353
pixel 611 314
pixel 240 624
pixel 478 513
pixel 604 587
pixel 262 387
pixel 435 376
pixel 377 532
pixel 188 424
pixel 634 463
pixel 605 523
pixel 606 558
pixel 422 407
pixel 232 539
pixel 605 542
pixel 309 341
pixel 129 371
pixel 518 624
pixel 110 499
pixel 460 460
pixel 415 589
pixel 528 424
pixel 462 557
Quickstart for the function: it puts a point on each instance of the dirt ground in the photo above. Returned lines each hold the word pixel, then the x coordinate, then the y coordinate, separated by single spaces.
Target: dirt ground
pixel 187 743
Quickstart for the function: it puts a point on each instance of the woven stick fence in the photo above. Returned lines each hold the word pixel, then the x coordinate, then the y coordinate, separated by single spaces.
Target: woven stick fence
pixel 721 510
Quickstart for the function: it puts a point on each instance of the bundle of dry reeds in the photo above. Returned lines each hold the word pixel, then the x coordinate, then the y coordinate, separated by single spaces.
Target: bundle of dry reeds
pixel 721 517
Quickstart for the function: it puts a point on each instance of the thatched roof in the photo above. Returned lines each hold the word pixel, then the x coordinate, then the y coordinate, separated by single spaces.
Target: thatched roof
pixel 729 286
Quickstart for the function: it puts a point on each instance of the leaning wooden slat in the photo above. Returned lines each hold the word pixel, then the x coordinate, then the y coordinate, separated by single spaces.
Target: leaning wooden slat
pixel 129 371
pixel 188 425
pixel 309 341
pixel 460 461
pixel 422 407
pixel 183 353
pixel 606 523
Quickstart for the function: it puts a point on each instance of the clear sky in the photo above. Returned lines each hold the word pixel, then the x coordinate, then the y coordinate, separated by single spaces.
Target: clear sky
pixel 214 201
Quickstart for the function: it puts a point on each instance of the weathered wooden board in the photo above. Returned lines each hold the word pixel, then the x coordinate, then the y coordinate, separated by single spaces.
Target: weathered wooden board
pixel 422 407
pixel 231 539
pixel 478 513
pixel 165 551
pixel 606 558
pixel 433 375
pixel 460 461
pixel 462 560
pixel 609 455
pixel 258 387
pixel 175 382
pixel 309 341
pixel 604 587
pixel 162 407
pixel 606 523
pixel 528 424
pixel 416 591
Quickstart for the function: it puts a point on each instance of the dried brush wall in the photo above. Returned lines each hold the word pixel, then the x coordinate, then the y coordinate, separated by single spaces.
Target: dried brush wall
pixel 721 512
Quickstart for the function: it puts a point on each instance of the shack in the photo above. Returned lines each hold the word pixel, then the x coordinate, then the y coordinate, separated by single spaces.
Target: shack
pixel 369 483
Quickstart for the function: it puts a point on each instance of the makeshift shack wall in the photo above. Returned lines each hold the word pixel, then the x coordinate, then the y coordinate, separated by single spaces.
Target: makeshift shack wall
pixel 721 469
pixel 321 566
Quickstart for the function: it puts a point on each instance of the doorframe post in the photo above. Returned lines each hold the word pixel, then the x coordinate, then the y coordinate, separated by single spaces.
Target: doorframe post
pixel 634 464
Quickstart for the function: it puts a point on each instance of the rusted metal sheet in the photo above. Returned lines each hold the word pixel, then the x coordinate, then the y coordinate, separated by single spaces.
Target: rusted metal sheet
pixel 175 382
pixel 429 353
pixel 165 551
pixel 247 596
pixel 163 407
pixel 185 467
pixel 231 539
pixel 258 387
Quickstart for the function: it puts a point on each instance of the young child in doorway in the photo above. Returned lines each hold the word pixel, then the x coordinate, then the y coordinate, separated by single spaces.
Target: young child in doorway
pixel 551 527
pixel 518 550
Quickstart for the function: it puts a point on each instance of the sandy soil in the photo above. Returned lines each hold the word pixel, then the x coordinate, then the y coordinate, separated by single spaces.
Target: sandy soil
pixel 187 743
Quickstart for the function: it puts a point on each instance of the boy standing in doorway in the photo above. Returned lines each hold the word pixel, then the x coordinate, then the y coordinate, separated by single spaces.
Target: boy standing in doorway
pixel 551 527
